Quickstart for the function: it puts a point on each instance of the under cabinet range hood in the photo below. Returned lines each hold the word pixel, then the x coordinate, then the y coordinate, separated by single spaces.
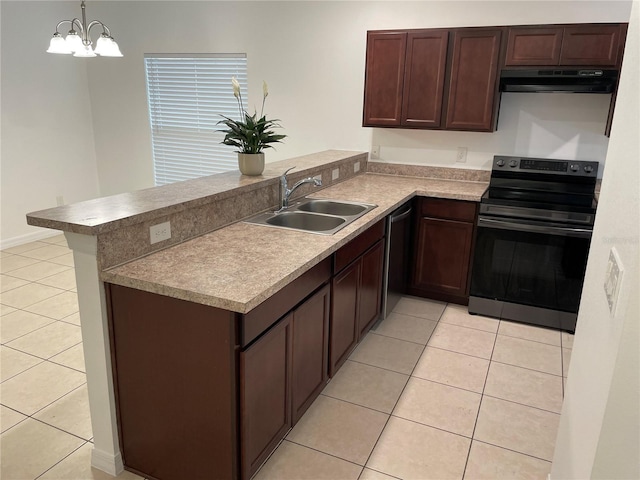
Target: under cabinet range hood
pixel 558 81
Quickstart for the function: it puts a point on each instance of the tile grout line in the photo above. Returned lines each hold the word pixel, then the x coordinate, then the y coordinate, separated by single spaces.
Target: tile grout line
pixel 484 386
pixel 403 389
pixel 62 459
pixel 514 451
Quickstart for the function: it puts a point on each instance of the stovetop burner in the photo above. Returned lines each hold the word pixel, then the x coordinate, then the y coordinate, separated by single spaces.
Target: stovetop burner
pixel 543 184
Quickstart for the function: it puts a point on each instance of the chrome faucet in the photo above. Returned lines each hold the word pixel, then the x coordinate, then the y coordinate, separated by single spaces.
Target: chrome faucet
pixel 285 191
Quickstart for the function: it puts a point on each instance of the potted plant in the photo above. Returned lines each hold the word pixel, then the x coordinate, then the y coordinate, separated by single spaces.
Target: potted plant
pixel 251 134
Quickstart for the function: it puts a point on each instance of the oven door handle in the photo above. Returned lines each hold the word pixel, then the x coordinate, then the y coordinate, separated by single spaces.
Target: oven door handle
pixel 528 227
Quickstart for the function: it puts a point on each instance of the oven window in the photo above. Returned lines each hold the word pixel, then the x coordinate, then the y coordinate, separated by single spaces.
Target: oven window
pixel 540 270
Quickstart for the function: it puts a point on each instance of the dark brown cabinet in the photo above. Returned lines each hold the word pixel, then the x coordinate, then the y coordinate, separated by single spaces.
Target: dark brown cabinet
pixel 175 375
pixel 225 387
pixel 414 79
pixel 424 75
pixel 442 249
pixel 310 351
pixel 473 91
pixel 370 299
pixel 582 45
pixel 356 293
pixel 384 78
pixel 281 374
pixel 344 311
pixel 265 394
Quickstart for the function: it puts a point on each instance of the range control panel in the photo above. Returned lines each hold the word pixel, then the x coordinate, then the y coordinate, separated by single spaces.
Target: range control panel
pixel 544 165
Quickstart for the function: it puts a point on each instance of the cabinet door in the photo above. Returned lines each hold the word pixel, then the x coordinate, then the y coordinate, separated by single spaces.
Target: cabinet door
pixel 424 78
pixel 383 78
pixel 474 69
pixel 370 294
pixel 590 45
pixel 310 351
pixel 265 401
pixel 344 314
pixel 533 46
pixel 443 251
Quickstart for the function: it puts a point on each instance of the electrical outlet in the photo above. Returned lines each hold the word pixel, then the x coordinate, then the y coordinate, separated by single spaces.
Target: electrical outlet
pixel 160 232
pixel 59 200
pixel 356 167
pixel 613 279
pixel 375 152
pixel 461 156
pixel 335 174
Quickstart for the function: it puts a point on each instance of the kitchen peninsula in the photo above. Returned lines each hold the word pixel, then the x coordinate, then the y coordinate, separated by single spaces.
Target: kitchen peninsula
pixel 212 260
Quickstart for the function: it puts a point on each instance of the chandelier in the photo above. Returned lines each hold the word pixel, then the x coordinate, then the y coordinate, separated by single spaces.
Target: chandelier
pixel 78 42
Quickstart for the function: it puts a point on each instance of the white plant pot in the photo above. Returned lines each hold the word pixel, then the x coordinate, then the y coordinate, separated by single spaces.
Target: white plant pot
pixel 251 163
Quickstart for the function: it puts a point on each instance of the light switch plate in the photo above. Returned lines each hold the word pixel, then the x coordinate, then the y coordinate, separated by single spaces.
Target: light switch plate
pixel 613 279
pixel 160 232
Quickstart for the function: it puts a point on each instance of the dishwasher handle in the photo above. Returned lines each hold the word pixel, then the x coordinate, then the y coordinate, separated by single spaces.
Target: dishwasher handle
pixel 401 216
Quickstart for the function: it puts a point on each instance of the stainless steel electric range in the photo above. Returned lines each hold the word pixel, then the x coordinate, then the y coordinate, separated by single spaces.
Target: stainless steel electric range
pixel 534 230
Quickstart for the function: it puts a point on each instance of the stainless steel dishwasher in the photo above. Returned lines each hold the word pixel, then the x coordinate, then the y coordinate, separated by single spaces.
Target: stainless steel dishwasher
pixel 396 262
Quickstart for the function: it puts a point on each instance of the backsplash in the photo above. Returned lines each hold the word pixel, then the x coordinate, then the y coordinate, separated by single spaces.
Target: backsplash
pixel 132 241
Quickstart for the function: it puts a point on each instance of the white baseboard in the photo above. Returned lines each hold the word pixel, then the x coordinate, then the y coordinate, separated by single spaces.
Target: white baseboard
pixel 111 464
pixel 28 237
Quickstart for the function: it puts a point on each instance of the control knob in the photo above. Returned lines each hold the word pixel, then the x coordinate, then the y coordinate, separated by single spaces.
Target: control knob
pixel 513 163
pixel 574 167
pixel 588 168
pixel 500 162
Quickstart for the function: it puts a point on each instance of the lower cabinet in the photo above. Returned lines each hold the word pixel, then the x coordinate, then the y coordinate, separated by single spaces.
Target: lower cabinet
pixel 370 300
pixel 344 311
pixel 281 374
pixel 442 249
pixel 356 292
pixel 265 394
pixel 310 351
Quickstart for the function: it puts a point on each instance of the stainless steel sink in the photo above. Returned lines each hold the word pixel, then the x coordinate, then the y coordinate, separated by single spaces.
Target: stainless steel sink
pixel 306 221
pixel 320 216
pixel 332 207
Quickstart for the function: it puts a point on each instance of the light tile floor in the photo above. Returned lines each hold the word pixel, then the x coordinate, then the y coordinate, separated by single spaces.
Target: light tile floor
pixel 432 392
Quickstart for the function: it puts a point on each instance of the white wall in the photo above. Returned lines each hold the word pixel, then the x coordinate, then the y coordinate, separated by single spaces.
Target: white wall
pixel 312 55
pixel 599 433
pixel 47 134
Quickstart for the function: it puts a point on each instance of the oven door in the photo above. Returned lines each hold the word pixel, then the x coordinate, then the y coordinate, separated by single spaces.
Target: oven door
pixel 530 263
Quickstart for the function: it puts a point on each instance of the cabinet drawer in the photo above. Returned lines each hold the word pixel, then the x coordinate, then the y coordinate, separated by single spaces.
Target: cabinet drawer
pixel 264 315
pixel 460 210
pixel 358 246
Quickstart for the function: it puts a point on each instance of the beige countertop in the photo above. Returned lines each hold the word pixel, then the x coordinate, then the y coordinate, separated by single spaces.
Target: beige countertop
pixel 106 214
pixel 239 266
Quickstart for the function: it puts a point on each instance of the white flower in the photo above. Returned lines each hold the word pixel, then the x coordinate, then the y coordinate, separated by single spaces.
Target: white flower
pixel 236 87
pixel 265 89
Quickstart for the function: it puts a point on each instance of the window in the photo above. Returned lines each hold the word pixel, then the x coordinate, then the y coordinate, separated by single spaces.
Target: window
pixel 187 94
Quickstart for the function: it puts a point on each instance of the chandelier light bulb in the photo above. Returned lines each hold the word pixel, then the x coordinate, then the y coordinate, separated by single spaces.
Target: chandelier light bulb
pixel 107 47
pixel 58 45
pixel 73 41
pixel 85 51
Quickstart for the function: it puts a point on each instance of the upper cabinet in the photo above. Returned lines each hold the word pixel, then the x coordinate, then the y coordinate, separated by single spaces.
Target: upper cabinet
pixel 405 78
pixel 585 45
pixel 447 79
pixel 432 78
pixel 471 102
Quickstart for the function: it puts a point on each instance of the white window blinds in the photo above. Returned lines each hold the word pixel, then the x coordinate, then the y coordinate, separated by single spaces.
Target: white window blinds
pixel 187 94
